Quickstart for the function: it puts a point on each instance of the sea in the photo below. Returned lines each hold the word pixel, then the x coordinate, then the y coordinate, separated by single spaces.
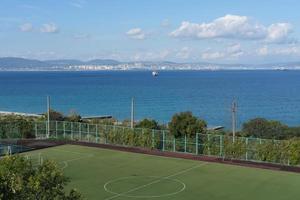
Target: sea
pixel 208 94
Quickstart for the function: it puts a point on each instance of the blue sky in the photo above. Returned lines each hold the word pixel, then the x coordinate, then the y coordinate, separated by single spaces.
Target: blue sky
pixel 231 31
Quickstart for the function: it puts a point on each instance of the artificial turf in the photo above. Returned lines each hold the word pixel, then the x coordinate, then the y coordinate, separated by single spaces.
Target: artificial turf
pixel 107 174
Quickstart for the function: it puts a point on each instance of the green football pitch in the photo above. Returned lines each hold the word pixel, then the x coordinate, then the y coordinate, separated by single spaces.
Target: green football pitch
pixel 107 174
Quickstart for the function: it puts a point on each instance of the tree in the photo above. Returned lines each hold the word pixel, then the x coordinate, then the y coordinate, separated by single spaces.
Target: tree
pixel 263 128
pixel 55 115
pixel 14 126
pixel 73 117
pixel 19 179
pixel 185 123
pixel 148 123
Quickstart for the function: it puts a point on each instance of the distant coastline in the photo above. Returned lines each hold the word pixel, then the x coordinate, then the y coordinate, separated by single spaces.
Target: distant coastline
pixel 22 64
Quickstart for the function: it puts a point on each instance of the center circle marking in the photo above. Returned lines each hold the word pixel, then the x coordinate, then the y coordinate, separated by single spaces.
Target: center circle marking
pixel 126 194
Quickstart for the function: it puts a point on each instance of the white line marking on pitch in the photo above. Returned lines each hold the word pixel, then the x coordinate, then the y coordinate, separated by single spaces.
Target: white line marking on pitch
pixel 74 159
pixel 147 196
pixel 61 150
pixel 153 182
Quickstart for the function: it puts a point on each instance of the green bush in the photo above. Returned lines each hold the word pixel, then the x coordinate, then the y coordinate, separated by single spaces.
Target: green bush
pixel 19 179
pixel 13 126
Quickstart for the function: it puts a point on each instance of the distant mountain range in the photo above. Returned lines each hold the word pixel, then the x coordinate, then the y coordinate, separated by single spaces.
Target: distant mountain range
pixel 22 64
pixel 14 62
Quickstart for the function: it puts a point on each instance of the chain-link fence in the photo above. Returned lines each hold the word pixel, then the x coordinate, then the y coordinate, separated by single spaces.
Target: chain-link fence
pixel 286 152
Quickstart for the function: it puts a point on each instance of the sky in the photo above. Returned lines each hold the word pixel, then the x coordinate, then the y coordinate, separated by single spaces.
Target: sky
pixel 216 31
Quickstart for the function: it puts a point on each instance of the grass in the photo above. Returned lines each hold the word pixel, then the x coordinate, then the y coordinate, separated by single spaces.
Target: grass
pixel 107 174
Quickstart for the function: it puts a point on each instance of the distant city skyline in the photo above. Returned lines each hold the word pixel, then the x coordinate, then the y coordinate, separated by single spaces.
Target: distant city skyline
pixel 214 31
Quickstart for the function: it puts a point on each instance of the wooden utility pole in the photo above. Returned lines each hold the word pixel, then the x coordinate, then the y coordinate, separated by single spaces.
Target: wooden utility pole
pixel 132 113
pixel 233 115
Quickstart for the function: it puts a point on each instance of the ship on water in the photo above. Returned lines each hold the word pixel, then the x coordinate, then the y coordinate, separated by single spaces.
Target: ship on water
pixel 154 73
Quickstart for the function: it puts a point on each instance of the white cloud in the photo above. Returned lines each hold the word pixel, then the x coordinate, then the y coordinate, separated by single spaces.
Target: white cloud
pixel 233 27
pixel 263 51
pixel 164 54
pixel 27 27
pixel 279 32
pixel 279 51
pixel 151 55
pixel 49 28
pixel 184 53
pixel 212 55
pixel 235 50
pixel 293 50
pixel 232 51
pixel 136 33
pixel 78 3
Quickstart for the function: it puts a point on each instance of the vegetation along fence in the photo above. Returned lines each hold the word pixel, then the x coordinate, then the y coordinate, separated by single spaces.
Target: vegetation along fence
pixel 286 152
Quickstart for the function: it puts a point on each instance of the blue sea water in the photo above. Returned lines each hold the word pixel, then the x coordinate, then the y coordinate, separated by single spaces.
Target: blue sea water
pixel 208 94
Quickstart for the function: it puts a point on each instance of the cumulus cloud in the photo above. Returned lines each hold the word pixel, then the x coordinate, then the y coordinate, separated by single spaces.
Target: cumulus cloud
pixel 151 55
pixel 136 33
pixel 263 51
pixel 235 50
pixel 27 27
pixel 184 53
pixel 49 28
pixel 279 32
pixel 279 51
pixel 164 54
pixel 233 27
pixel 212 55
pixel 232 51
pixel 288 51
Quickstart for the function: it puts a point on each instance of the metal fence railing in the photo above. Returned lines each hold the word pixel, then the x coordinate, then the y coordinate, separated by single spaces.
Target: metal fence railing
pixel 285 152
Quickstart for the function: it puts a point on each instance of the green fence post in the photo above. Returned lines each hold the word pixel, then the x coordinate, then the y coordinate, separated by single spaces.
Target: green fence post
pixel 105 133
pixel 152 138
pixel 185 143
pixel 221 145
pixel 72 136
pixel 246 148
pixel 163 140
pixel 97 133
pixel 197 140
pixel 46 130
pixel 56 129
pixel 79 130
pixel 88 136
pixel 64 124
pixel 208 142
pixel 174 144
pixel 36 134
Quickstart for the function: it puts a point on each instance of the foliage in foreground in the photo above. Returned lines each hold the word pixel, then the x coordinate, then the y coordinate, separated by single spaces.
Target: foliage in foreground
pixel 19 179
